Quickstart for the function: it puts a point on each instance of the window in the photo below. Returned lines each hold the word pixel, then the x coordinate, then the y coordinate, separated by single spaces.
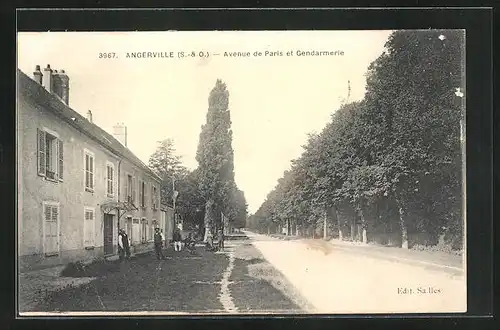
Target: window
pixel 110 177
pixel 144 231
pixel 154 197
pixel 89 171
pixel 129 188
pixel 50 229
pixel 89 227
pixel 142 193
pixel 50 155
pixel 133 193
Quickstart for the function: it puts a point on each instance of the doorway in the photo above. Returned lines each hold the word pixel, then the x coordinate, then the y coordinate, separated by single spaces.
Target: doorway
pixel 108 234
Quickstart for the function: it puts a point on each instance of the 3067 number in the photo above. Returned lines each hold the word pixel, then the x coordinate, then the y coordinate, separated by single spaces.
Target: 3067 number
pixel 107 55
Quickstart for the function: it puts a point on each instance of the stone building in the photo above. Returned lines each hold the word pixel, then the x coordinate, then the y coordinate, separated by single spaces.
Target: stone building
pixel 77 184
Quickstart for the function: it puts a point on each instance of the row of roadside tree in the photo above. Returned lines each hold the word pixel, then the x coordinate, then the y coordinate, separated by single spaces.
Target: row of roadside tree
pixel 388 168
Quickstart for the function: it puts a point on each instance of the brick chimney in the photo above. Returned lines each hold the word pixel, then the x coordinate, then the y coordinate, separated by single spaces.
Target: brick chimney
pixel 89 116
pixel 61 85
pixel 120 133
pixel 37 75
pixel 47 81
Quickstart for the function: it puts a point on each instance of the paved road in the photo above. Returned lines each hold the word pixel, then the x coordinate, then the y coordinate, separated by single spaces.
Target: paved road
pixel 237 280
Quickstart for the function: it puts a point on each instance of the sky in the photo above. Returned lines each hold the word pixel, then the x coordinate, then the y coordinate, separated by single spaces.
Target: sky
pixel 275 101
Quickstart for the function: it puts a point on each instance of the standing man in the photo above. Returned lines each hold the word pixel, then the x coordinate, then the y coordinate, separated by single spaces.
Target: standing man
pixel 158 240
pixel 123 245
pixel 177 240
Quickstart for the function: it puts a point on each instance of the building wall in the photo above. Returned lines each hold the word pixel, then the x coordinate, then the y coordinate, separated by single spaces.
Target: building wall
pixel 147 213
pixel 70 194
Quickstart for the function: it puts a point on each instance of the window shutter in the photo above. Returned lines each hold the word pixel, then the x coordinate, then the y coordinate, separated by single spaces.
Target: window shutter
pixel 91 229
pixel 108 179
pixel 54 213
pixel 48 213
pixel 86 170
pixel 60 169
pixel 86 229
pixel 133 190
pixel 111 180
pixel 141 193
pixel 145 194
pixel 153 196
pixel 126 188
pixel 42 166
pixel 91 163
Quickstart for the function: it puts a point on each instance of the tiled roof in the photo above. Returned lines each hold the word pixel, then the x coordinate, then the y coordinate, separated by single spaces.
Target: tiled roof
pixel 30 88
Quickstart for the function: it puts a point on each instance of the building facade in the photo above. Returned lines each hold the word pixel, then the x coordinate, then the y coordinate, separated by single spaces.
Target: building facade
pixel 77 184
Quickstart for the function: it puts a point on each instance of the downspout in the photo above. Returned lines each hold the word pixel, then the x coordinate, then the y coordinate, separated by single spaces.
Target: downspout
pixel 118 194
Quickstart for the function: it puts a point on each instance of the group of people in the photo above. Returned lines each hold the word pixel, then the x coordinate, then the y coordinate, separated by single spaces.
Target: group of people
pixel 219 245
pixel 159 241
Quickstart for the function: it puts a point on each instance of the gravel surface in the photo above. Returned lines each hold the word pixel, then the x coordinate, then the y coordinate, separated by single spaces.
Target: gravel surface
pixel 358 280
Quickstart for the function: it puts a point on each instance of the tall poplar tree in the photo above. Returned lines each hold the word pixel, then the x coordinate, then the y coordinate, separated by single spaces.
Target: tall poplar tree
pixel 215 157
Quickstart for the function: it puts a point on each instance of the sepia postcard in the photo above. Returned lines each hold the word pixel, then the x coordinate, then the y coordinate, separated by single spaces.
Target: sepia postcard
pixel 241 172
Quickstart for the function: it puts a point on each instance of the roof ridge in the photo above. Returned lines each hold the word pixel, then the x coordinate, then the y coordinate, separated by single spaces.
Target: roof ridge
pixel 64 111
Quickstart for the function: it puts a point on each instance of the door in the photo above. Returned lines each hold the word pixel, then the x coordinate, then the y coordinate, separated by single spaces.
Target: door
pixel 51 230
pixel 108 234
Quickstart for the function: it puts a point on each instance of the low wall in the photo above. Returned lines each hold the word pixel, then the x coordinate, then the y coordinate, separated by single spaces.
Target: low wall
pixel 39 261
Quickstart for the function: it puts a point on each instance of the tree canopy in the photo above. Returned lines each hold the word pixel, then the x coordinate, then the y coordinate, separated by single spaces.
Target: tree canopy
pixel 216 162
pixel 390 162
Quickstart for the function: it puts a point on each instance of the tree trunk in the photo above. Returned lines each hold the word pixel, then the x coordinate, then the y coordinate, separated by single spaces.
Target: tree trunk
pixel 208 220
pixel 363 226
pixel 403 226
pixel 338 224
pixel 353 229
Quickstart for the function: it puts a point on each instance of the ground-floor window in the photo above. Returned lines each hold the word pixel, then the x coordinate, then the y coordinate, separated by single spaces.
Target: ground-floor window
pixel 144 231
pixel 50 228
pixel 89 227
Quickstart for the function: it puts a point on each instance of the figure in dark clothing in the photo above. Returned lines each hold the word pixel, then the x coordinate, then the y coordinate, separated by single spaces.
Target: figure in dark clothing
pixel 190 244
pixel 123 245
pixel 158 240
pixel 221 240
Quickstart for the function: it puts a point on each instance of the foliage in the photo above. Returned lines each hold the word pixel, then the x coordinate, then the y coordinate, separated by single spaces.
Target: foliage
pixel 169 167
pixel 216 159
pixel 398 147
